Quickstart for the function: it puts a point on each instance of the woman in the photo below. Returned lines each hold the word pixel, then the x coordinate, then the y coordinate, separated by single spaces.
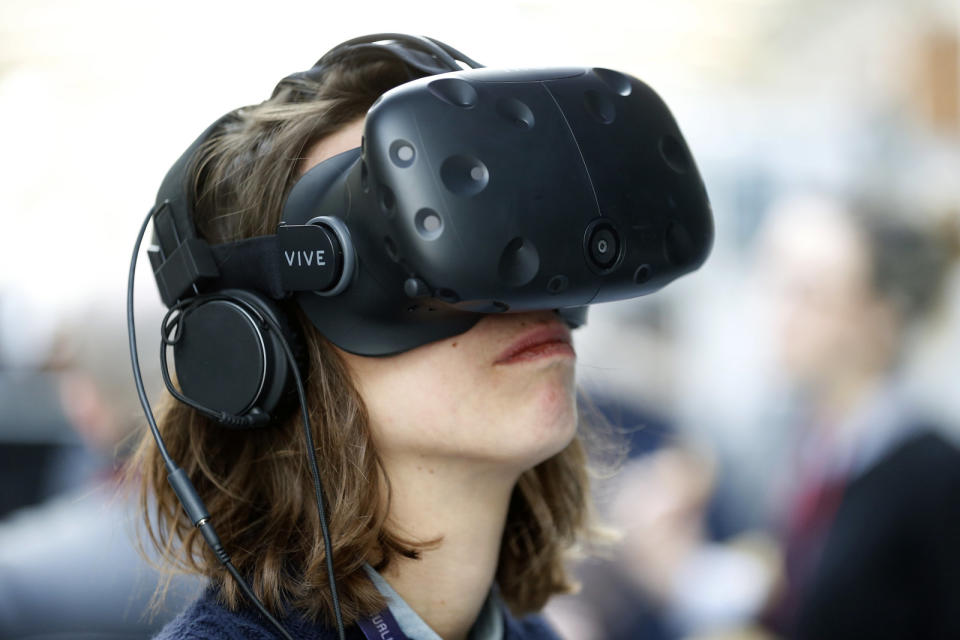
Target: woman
pixel 453 474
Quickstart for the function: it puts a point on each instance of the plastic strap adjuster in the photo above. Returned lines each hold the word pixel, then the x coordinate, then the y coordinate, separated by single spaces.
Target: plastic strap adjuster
pixel 189 263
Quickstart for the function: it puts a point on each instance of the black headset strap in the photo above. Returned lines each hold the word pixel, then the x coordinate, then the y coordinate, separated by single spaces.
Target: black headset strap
pixel 173 212
pixel 252 263
pixel 249 264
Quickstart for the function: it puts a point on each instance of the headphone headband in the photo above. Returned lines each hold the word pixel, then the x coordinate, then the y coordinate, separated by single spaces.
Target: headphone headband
pixel 422 56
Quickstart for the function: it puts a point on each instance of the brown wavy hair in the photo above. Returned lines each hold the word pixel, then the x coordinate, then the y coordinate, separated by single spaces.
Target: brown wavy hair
pixel 256 483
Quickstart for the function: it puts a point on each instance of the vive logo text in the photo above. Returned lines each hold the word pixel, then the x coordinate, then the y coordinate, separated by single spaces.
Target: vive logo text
pixel 305 258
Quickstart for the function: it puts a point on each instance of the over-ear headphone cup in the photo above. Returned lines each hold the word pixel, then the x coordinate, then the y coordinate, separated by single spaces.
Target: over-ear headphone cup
pixel 228 359
pixel 279 393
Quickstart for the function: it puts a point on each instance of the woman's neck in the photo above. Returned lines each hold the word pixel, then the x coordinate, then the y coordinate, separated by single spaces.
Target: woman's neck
pixel 464 508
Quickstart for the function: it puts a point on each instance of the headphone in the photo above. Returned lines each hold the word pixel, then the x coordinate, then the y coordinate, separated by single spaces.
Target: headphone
pixel 475 191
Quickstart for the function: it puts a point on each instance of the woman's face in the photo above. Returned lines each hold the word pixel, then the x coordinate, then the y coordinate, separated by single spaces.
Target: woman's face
pixel 502 393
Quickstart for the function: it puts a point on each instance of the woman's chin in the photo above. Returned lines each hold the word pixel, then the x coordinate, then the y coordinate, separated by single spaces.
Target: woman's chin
pixel 547 425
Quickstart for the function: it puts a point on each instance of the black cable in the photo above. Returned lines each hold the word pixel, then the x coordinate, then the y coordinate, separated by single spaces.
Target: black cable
pixel 134 357
pixel 186 493
pixel 173 323
pixel 253 598
pixel 315 471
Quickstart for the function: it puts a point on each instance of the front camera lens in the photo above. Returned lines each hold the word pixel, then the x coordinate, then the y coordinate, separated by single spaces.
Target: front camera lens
pixel 603 247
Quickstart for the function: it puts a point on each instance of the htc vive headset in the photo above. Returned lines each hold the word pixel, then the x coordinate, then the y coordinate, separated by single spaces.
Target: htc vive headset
pixel 475 191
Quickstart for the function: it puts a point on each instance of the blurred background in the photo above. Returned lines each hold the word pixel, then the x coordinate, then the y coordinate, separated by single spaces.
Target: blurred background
pixel 792 408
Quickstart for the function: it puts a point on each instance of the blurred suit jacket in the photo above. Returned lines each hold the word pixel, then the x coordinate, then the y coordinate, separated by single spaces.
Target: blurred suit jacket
pixel 888 564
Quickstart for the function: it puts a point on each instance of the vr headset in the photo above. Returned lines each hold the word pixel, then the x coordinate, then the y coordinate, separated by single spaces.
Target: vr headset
pixel 475 191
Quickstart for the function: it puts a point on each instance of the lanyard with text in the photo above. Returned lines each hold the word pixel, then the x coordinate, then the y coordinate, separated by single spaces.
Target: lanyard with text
pixel 382 626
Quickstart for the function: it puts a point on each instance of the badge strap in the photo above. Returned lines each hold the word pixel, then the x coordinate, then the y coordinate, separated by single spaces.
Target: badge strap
pixel 382 626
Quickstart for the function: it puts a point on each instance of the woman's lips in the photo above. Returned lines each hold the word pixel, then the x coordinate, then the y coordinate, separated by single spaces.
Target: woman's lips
pixel 545 341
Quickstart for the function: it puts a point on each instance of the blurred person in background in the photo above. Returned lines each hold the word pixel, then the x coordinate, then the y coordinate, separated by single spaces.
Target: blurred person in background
pixel 70 567
pixel 870 522
pixel 40 454
pixel 668 578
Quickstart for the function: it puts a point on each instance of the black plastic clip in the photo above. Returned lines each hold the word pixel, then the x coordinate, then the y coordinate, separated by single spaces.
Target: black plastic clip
pixel 179 270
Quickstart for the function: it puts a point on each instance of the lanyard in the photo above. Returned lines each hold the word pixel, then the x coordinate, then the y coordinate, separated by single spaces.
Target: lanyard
pixel 382 626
